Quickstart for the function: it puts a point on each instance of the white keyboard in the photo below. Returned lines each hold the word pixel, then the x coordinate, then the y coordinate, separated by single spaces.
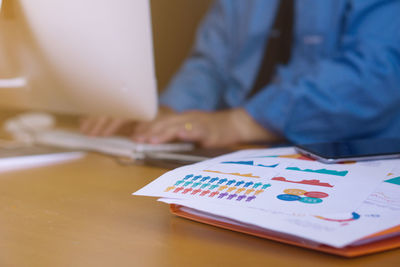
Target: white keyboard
pixel 116 146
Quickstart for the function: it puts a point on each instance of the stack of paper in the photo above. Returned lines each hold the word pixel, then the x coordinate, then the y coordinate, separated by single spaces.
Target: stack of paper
pixel 279 191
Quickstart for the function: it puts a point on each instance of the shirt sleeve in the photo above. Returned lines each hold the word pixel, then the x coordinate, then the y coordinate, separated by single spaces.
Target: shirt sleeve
pixel 354 94
pixel 200 82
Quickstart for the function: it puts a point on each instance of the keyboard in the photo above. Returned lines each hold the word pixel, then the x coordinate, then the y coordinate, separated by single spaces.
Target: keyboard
pixel 116 146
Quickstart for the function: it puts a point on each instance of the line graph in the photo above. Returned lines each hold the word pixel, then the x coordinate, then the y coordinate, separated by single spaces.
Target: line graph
pixel 250 175
pixel 395 181
pixel 354 216
pixel 384 199
pixel 308 182
pixel 321 171
pixel 250 163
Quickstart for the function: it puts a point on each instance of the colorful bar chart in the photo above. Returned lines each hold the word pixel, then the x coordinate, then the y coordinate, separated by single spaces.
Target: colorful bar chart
pixel 218 188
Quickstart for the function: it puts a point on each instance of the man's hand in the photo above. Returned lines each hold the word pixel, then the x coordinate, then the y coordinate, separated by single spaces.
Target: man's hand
pixel 106 126
pixel 210 129
pixel 102 126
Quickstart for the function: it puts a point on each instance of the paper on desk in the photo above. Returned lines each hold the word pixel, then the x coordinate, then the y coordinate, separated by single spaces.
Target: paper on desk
pixel 275 179
pixel 31 161
pixel 379 212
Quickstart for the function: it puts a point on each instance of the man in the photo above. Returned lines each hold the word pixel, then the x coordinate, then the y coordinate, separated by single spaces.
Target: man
pixel 342 80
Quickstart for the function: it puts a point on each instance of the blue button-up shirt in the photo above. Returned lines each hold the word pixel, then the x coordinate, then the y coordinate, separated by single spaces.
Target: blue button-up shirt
pixel 342 82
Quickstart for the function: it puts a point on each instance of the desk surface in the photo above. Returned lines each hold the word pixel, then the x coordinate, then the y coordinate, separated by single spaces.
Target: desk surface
pixel 82 213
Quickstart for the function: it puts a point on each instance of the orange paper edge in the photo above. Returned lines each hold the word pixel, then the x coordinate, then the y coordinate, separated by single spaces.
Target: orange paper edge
pixel 350 251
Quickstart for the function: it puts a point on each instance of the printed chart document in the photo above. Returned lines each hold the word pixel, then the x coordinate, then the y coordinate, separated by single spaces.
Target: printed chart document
pixel 380 211
pixel 263 179
pixel 278 190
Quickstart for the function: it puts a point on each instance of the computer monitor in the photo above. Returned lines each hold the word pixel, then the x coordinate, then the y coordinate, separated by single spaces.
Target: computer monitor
pixel 78 56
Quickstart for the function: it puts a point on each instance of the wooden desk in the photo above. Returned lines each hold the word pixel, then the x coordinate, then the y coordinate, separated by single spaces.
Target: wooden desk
pixel 82 214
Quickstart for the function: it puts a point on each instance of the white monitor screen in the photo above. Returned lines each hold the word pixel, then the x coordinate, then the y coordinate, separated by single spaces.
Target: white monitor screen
pixel 78 56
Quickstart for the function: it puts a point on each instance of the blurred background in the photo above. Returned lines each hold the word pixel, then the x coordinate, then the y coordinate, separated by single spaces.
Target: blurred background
pixel 174 25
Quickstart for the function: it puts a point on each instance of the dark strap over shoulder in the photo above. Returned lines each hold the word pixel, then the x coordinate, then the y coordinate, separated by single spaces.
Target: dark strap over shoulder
pixel 278 46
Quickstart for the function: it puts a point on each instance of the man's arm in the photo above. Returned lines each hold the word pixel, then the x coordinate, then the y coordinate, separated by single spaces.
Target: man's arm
pixel 201 80
pixel 354 94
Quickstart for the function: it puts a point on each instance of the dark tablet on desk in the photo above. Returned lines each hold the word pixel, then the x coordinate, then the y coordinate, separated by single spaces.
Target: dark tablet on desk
pixel 354 150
